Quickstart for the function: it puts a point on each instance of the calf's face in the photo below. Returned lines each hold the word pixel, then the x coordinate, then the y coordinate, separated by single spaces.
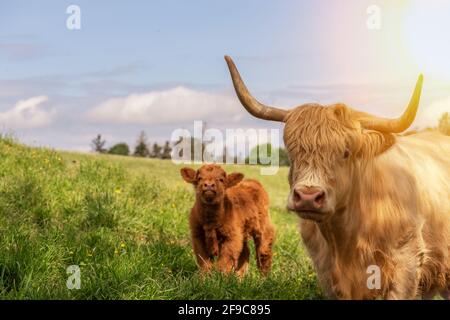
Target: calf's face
pixel 210 182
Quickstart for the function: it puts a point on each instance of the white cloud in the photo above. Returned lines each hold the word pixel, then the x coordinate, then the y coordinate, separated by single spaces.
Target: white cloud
pixel 27 114
pixel 430 115
pixel 170 106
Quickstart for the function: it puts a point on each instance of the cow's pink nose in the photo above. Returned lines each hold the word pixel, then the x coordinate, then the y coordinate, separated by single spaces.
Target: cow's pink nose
pixel 309 198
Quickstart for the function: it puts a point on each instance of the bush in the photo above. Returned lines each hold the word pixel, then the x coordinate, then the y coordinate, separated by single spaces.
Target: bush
pixel 120 149
pixel 262 154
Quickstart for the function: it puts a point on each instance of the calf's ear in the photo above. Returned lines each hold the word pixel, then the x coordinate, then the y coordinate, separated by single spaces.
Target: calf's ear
pixel 234 178
pixel 189 175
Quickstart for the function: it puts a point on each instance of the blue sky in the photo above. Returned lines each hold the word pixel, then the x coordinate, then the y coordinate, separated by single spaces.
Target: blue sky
pixel 158 65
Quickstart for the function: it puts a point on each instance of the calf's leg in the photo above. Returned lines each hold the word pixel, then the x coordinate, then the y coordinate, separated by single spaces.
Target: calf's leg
pixel 229 252
pixel 263 245
pixel 212 244
pixel 242 265
pixel 204 260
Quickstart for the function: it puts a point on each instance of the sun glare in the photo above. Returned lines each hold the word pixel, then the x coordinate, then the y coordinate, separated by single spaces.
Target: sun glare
pixel 427 36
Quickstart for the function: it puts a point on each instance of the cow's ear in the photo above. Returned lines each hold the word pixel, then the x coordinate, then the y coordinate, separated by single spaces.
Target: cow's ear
pixel 374 143
pixel 341 112
pixel 234 178
pixel 189 175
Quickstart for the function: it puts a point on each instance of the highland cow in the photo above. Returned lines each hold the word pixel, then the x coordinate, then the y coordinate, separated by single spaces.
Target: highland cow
pixel 367 196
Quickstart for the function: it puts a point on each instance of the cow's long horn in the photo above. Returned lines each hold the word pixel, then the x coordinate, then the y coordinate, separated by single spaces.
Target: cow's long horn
pixel 399 124
pixel 253 106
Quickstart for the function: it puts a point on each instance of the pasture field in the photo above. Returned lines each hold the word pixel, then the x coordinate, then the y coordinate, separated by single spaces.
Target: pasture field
pixel 124 221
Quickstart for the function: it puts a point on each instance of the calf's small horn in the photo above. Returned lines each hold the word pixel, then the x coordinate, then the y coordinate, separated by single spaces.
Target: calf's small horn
pixel 253 106
pixel 399 124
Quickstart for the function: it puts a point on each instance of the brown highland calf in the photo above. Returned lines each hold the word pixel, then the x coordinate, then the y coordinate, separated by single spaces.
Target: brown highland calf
pixel 227 212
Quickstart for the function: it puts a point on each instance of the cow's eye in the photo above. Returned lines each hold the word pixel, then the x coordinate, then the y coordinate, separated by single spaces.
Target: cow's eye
pixel 200 178
pixel 221 180
pixel 346 154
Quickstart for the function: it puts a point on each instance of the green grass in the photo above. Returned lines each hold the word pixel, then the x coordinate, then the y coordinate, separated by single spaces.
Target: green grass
pixel 124 221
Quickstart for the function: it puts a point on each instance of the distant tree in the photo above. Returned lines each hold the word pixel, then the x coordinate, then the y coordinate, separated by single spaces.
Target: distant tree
pixel 197 149
pixel 98 144
pixel 166 151
pixel 224 153
pixel 194 145
pixel 156 151
pixel 120 149
pixel 284 157
pixel 444 124
pixel 255 153
pixel 233 158
pixel 197 146
pixel 141 149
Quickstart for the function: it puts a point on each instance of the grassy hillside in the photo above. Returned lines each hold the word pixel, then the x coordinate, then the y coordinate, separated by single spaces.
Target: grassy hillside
pixel 124 222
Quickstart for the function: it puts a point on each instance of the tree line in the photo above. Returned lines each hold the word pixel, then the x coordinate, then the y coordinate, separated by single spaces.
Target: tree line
pixel 144 149
pixel 141 149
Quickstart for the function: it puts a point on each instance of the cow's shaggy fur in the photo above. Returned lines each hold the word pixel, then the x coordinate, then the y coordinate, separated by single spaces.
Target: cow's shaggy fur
pixel 227 212
pixel 390 204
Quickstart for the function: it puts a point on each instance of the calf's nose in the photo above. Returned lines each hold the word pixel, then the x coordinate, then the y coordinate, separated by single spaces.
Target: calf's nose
pixel 209 186
pixel 309 198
